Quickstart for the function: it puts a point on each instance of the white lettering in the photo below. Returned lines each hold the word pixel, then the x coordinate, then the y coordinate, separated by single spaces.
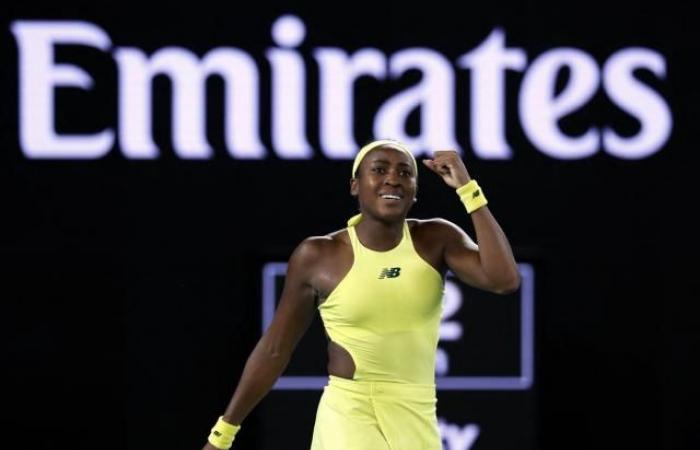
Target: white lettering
pixel 639 100
pixel 456 437
pixel 188 75
pixel 338 73
pixel 39 76
pixel 434 94
pixel 450 330
pixel 488 63
pixel 540 110
pixel 541 106
pixel 136 73
pixel 288 90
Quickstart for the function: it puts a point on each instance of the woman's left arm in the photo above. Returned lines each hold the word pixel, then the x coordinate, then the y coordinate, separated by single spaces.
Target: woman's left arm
pixel 489 263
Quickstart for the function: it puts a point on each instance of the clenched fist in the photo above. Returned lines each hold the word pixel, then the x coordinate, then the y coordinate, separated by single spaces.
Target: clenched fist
pixel 448 164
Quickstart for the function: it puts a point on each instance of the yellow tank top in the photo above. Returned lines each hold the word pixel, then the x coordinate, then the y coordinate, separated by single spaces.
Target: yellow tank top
pixel 386 313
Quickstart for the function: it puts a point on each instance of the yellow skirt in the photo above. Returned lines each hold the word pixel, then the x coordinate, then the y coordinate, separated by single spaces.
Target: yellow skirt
pixel 364 415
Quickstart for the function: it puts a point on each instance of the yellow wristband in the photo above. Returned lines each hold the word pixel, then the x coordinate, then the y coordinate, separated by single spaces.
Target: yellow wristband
pixel 222 434
pixel 472 196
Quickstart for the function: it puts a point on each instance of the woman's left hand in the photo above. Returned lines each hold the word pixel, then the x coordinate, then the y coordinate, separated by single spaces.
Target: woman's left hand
pixel 449 165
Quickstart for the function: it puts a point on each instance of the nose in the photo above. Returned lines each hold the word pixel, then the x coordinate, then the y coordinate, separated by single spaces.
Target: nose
pixel 392 177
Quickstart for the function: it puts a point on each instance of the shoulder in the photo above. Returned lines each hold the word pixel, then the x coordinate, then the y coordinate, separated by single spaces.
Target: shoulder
pixel 437 227
pixel 314 248
pixel 439 231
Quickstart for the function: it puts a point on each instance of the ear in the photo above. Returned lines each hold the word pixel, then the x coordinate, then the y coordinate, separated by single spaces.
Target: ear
pixel 354 187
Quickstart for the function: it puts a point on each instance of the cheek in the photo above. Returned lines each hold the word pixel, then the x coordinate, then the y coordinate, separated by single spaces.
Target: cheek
pixel 369 183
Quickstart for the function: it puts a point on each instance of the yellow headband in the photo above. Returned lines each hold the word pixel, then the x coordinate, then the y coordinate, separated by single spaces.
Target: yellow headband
pixel 372 145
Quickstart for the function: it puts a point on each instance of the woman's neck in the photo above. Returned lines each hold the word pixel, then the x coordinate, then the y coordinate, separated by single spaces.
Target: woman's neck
pixel 380 236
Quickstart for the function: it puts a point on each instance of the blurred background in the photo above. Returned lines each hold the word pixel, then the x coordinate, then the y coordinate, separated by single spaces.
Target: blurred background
pixel 158 165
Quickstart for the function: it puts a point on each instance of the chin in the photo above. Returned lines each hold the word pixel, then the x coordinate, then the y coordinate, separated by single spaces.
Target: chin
pixel 392 215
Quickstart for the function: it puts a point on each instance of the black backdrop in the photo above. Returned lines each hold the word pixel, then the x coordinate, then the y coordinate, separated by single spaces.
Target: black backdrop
pixel 123 279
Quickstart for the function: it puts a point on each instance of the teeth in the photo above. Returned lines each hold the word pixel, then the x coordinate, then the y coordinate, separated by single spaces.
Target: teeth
pixel 393 197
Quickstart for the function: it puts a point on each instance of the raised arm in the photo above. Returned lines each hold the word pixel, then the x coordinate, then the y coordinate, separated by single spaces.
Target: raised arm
pixel 487 264
pixel 273 351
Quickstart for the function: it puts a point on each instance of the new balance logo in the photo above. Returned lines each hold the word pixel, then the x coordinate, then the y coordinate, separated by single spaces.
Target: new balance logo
pixel 390 272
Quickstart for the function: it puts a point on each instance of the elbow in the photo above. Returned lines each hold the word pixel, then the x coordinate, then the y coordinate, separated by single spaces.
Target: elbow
pixel 273 358
pixel 508 285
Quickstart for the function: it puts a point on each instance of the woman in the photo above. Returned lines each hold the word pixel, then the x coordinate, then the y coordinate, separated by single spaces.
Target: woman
pixel 378 287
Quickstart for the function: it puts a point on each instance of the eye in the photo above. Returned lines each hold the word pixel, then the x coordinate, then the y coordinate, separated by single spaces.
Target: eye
pixel 406 173
pixel 379 170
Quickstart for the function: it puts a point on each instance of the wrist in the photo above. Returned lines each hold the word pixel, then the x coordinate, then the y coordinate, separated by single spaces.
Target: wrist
pixel 472 196
pixel 222 434
pixel 230 420
pixel 461 181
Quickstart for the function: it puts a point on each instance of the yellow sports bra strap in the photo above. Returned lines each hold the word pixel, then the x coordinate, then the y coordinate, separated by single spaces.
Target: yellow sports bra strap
pixel 354 220
pixel 354 241
pixel 406 233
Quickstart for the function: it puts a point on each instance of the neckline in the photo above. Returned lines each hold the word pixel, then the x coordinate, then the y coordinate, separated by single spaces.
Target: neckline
pixel 404 235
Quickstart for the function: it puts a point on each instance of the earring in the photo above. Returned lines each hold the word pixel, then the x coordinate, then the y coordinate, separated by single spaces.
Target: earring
pixel 415 199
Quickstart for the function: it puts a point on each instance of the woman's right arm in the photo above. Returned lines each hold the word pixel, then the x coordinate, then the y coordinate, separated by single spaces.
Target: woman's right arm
pixel 271 355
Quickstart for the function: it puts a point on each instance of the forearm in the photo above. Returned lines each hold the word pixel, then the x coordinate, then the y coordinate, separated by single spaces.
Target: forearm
pixel 495 253
pixel 497 269
pixel 261 371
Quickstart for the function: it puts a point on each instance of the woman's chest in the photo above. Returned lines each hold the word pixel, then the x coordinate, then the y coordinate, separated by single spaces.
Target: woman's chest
pixel 400 285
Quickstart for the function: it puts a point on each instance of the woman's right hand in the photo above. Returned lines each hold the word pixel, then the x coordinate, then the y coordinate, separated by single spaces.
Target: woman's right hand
pixel 208 446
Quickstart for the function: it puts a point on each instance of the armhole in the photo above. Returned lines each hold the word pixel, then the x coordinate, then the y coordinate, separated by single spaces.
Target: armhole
pixel 418 254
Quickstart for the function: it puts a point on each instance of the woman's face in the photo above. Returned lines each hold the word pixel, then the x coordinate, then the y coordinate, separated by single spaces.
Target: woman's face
pixel 385 183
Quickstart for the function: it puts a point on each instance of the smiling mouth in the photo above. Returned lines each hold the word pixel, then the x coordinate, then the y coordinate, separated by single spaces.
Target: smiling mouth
pixel 390 197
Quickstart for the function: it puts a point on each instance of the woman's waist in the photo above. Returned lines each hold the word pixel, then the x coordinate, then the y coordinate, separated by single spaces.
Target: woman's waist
pixel 373 387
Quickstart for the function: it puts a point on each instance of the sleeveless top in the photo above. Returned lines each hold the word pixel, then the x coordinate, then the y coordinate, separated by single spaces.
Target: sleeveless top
pixel 386 313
